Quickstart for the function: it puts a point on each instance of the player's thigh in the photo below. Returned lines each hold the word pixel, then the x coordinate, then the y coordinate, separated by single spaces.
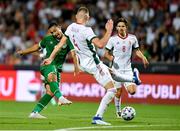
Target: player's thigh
pixel 129 86
pixel 49 72
pixel 103 76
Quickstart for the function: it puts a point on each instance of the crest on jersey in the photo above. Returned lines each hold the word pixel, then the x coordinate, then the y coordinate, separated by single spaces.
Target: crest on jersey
pixel 123 48
pixel 64 46
pixel 51 42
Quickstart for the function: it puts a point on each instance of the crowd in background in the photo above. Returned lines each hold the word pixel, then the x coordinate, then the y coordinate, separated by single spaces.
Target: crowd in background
pixel 156 23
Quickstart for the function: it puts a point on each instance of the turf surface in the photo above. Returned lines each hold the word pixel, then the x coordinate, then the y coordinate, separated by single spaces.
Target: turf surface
pixel 13 116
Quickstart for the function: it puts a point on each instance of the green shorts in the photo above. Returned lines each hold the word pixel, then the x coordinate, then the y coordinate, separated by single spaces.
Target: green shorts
pixel 47 69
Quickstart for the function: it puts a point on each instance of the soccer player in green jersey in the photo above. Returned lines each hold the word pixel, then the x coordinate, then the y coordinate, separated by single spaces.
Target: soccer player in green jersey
pixel 51 72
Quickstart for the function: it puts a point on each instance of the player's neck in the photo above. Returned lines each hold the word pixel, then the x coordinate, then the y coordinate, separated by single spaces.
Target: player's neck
pixel 81 22
pixel 123 35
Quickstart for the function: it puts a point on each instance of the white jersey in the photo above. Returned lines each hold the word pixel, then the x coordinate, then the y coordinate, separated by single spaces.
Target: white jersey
pixel 81 37
pixel 122 51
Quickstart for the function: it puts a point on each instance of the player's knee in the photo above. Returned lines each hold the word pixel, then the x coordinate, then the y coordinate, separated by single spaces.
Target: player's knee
pixel 52 77
pixel 48 91
pixel 132 90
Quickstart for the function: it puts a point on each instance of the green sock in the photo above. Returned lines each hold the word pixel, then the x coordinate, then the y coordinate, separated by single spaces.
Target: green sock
pixel 54 87
pixel 42 103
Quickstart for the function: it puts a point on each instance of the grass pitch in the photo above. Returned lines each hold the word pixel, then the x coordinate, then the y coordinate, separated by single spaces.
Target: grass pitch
pixel 14 116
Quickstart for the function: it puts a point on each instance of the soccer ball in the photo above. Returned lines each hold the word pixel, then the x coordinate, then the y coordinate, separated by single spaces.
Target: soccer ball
pixel 128 113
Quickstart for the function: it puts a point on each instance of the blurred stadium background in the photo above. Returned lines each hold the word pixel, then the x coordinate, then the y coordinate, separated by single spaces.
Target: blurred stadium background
pixel 156 23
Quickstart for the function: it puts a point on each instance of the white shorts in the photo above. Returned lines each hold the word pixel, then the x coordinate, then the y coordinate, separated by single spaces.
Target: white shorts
pixel 125 84
pixel 100 72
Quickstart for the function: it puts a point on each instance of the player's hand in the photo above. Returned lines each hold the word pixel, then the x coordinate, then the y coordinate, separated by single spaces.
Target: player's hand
pixel 109 25
pixel 145 62
pixel 47 61
pixel 19 52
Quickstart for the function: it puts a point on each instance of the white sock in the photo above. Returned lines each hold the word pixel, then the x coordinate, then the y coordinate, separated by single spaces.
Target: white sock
pixel 61 98
pixel 122 77
pixel 117 103
pixel 107 98
pixel 53 101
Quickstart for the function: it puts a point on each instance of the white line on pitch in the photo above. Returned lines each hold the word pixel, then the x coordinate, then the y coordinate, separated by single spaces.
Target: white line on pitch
pixel 97 127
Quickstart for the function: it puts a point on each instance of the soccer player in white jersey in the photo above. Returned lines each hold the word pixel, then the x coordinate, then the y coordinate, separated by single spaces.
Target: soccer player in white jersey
pixel 84 40
pixel 119 51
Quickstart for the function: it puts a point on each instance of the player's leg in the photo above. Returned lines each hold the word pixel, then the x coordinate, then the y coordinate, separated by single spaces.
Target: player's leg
pixel 54 85
pixel 104 78
pixel 117 102
pixel 126 78
pixel 130 86
pixel 119 85
pixel 42 103
pixel 107 98
pixel 53 100
pixel 62 100
pixel 50 74
pixel 52 78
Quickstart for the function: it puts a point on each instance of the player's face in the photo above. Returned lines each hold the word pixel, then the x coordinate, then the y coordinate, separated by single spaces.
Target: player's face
pixel 121 27
pixel 57 32
pixel 83 15
pixel 51 30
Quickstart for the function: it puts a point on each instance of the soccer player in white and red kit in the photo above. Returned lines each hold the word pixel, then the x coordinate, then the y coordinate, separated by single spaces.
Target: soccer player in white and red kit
pixel 119 51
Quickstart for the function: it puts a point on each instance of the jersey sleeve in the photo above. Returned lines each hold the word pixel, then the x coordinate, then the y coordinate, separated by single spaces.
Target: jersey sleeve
pixel 135 44
pixel 109 45
pixel 89 34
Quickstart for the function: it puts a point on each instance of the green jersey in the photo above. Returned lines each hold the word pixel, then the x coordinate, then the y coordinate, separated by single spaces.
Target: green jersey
pixel 48 43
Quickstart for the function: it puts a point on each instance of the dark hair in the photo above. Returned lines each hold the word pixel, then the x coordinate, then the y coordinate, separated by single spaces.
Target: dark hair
pixel 83 9
pixel 122 20
pixel 53 23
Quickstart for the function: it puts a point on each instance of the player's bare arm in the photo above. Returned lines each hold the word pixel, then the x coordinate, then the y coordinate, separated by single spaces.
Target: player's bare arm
pixel 100 43
pixel 29 50
pixel 108 55
pixel 139 54
pixel 56 49
pixel 76 63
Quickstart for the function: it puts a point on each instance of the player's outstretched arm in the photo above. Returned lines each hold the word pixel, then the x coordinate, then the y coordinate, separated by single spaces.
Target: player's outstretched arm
pixel 139 54
pixel 76 63
pixel 56 49
pixel 29 50
pixel 100 43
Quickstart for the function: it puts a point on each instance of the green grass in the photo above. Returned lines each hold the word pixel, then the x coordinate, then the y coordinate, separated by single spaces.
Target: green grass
pixel 13 116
